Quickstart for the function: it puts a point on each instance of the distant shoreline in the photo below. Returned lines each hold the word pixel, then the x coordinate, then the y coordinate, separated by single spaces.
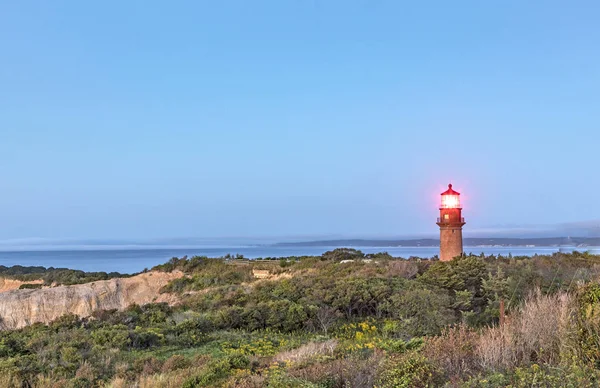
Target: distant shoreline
pixel 580 242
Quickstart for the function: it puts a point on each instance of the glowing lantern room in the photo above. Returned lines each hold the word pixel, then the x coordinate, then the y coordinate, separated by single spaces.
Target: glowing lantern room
pixel 450 199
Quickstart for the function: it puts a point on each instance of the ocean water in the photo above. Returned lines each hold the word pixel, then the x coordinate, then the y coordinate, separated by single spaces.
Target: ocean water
pixel 135 260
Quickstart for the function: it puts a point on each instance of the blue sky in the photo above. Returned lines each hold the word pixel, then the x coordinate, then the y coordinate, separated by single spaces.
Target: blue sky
pixel 151 119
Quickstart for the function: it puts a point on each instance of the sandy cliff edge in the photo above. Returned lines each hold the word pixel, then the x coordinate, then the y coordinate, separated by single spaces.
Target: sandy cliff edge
pixel 19 308
pixel 7 284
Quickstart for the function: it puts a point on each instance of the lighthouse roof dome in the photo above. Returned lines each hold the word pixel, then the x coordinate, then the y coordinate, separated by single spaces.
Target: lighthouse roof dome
pixel 450 191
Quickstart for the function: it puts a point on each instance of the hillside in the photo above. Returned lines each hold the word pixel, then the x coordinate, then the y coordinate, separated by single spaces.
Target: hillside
pixel 343 319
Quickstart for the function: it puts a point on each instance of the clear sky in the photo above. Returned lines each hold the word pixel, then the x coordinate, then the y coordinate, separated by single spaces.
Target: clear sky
pixel 146 119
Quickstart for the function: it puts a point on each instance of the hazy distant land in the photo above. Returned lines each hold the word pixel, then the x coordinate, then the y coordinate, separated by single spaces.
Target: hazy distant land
pixel 472 242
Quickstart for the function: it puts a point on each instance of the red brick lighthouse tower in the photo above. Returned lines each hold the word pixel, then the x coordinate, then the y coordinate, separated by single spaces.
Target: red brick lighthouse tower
pixel 450 223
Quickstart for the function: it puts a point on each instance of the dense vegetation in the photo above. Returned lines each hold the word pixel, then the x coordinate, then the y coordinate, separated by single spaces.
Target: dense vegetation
pixel 54 276
pixel 343 319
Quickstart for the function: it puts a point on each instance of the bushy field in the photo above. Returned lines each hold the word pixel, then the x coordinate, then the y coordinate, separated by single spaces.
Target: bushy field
pixel 317 322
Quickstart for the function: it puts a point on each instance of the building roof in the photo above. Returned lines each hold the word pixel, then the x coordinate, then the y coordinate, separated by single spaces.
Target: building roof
pixel 450 191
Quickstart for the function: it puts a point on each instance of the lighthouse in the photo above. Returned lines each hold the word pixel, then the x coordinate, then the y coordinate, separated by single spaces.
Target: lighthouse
pixel 450 223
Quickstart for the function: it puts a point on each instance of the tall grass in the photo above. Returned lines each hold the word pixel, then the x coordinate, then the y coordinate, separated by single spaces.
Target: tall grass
pixel 543 331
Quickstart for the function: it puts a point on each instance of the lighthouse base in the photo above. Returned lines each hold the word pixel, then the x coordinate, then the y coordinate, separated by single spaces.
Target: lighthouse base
pixel 451 242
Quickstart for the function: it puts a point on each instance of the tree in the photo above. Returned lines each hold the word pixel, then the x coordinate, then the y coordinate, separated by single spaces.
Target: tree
pixel 340 254
pixel 325 317
pixel 456 276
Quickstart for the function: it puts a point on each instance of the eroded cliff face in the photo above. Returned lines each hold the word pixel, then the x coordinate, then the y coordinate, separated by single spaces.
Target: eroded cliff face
pixel 19 308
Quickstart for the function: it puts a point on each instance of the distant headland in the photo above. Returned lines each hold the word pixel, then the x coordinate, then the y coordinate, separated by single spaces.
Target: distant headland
pixel 472 242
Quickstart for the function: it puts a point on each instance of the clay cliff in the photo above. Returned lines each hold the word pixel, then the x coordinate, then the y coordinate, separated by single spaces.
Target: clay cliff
pixel 19 308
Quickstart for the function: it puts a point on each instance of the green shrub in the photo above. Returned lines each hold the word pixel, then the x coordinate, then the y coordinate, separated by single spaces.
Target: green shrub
pixel 30 286
pixel 215 371
pixel 409 371
pixel 144 338
pixel 588 324
pixel 573 376
pixel 80 382
pixel 115 337
pixel 238 361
